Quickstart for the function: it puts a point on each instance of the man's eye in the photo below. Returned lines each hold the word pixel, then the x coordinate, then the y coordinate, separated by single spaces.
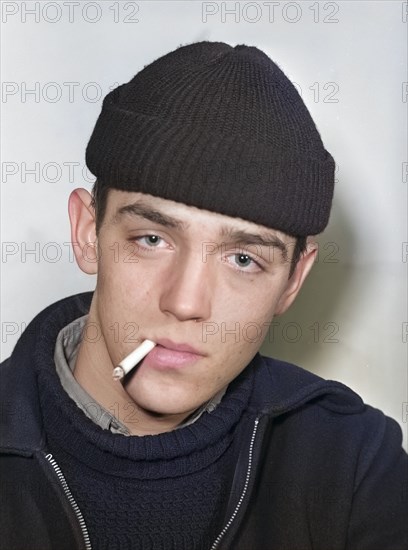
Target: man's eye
pixel 150 241
pixel 243 260
pixel 243 263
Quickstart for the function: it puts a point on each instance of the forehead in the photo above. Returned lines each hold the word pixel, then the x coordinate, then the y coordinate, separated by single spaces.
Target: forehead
pixel 123 206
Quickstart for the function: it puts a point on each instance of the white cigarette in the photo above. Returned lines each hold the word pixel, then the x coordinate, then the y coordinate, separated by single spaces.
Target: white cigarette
pixel 131 360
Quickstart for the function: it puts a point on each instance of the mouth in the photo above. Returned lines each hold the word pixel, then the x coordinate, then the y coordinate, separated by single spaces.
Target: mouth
pixel 170 355
pixel 168 344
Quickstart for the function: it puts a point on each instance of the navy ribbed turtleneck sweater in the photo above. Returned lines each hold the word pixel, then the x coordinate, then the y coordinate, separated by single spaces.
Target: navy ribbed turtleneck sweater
pixel 156 492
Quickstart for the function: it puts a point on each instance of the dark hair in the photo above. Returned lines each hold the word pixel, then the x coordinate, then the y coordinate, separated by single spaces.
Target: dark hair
pixel 100 200
pixel 299 248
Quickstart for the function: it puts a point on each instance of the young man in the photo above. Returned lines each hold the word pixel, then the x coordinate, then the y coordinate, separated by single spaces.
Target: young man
pixel 211 181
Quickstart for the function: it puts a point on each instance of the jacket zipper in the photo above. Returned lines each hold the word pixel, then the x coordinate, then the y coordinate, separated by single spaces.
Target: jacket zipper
pixel 244 490
pixel 71 500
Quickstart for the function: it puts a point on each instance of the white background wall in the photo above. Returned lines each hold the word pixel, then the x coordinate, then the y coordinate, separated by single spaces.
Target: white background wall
pixel 349 62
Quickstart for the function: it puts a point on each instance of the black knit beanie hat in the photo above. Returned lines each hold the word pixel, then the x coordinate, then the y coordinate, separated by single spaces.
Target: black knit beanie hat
pixel 220 128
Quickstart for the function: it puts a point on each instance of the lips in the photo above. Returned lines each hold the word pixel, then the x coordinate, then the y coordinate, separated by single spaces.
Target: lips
pixel 168 344
pixel 170 355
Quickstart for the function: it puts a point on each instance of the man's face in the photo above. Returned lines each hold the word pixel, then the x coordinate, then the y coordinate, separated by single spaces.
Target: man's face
pixel 203 285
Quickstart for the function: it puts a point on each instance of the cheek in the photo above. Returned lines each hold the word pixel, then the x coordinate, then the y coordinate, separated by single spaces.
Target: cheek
pixel 248 313
pixel 237 333
pixel 127 279
pixel 124 301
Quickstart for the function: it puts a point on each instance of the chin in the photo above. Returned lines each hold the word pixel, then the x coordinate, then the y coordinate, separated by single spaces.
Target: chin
pixel 161 402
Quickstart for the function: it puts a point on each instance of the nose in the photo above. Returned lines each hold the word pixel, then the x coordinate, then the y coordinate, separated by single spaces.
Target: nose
pixel 187 292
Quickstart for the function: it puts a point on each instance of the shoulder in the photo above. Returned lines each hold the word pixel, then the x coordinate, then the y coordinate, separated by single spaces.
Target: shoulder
pixel 334 460
pixel 282 387
pixel 326 422
pixel 323 413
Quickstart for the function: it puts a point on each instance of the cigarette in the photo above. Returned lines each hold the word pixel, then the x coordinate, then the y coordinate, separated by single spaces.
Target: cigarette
pixel 131 360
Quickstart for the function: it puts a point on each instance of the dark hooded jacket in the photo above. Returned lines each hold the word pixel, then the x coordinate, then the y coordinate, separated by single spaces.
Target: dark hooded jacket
pixel 316 468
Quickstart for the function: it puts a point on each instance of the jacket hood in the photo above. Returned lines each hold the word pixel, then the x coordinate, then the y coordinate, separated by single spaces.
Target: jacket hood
pixel 279 387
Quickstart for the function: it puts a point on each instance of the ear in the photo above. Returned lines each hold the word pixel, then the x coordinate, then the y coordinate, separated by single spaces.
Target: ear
pixel 298 277
pixel 83 232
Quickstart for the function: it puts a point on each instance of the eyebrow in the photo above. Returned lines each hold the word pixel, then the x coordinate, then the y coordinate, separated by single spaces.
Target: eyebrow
pixel 148 213
pixel 238 236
